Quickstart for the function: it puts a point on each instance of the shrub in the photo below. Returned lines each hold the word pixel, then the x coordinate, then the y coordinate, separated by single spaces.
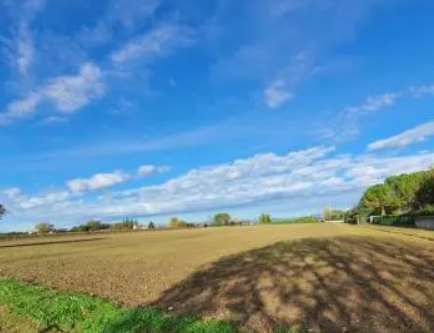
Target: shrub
pixel 92 225
pixel 427 210
pixel 221 219
pixel 44 228
pixel 333 214
pixel 264 219
pixel 175 223
pixel 2 210
pixel 126 224
pixel 303 219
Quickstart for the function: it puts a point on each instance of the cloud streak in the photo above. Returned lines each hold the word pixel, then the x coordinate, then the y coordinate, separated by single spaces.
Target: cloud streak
pixel 67 93
pixel 406 138
pixel 347 122
pixel 158 42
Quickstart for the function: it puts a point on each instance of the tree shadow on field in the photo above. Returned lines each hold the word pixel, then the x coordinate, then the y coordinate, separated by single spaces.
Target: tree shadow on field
pixel 344 284
pixel 40 243
pixel 408 234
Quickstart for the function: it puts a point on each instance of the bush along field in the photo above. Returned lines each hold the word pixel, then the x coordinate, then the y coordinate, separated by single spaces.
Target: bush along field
pixel 52 311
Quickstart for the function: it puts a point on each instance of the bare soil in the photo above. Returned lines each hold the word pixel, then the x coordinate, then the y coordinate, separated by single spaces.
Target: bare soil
pixel 325 277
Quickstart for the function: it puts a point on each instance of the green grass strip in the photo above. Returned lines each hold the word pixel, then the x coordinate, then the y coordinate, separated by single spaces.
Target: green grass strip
pixel 70 312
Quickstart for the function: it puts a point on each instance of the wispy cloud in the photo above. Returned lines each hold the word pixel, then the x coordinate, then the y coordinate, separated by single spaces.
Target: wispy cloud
pixel 406 138
pixel 282 89
pixel 158 42
pixel 193 138
pixel 25 50
pixel 19 48
pixel 283 50
pixel 130 12
pixel 277 93
pixel 20 201
pixel 126 14
pixel 66 93
pixel 345 125
pixel 421 91
pixel 70 93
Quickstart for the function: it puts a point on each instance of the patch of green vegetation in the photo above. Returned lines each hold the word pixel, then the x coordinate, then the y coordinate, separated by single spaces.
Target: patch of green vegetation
pixel 11 323
pixel 283 329
pixel 54 310
pixel 296 220
pixel 406 194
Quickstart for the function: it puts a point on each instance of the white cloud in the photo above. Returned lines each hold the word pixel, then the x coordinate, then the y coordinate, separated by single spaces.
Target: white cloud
pixel 127 14
pixel 97 181
pixel 261 178
pixel 54 120
pixel 21 201
pixel 374 103
pixel 149 169
pixel 346 123
pixel 421 91
pixel 131 12
pixel 70 93
pixel 282 89
pixel 307 175
pixel 406 138
pixel 158 42
pixel 25 50
pixel 20 108
pixel 67 93
pixel 276 94
pixel 20 49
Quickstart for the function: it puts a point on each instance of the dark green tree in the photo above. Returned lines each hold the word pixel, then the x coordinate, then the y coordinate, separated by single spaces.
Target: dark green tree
pixel 44 228
pixel 424 197
pixel 411 193
pixel 333 214
pixel 379 199
pixel 403 188
pixel 175 223
pixel 2 211
pixel 264 219
pixel 221 219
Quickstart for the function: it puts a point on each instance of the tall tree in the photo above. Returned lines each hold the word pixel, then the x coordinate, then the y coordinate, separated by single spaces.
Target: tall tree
pixel 379 200
pixel 222 219
pixel 403 189
pixel 264 219
pixel 424 196
pixel 177 223
pixel 2 211
pixel 330 214
pixel 403 194
pixel 44 228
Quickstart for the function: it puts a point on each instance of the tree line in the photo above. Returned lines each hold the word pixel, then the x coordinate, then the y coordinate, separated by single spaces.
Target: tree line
pixel 406 194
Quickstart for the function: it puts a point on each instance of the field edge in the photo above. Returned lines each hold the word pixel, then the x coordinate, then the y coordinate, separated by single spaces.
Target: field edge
pixel 50 310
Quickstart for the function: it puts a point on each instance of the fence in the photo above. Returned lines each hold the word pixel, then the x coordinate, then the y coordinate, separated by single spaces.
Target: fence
pixel 398 221
pixel 425 222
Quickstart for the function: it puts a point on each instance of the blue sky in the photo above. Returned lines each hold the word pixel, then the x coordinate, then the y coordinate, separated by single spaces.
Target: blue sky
pixel 158 108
